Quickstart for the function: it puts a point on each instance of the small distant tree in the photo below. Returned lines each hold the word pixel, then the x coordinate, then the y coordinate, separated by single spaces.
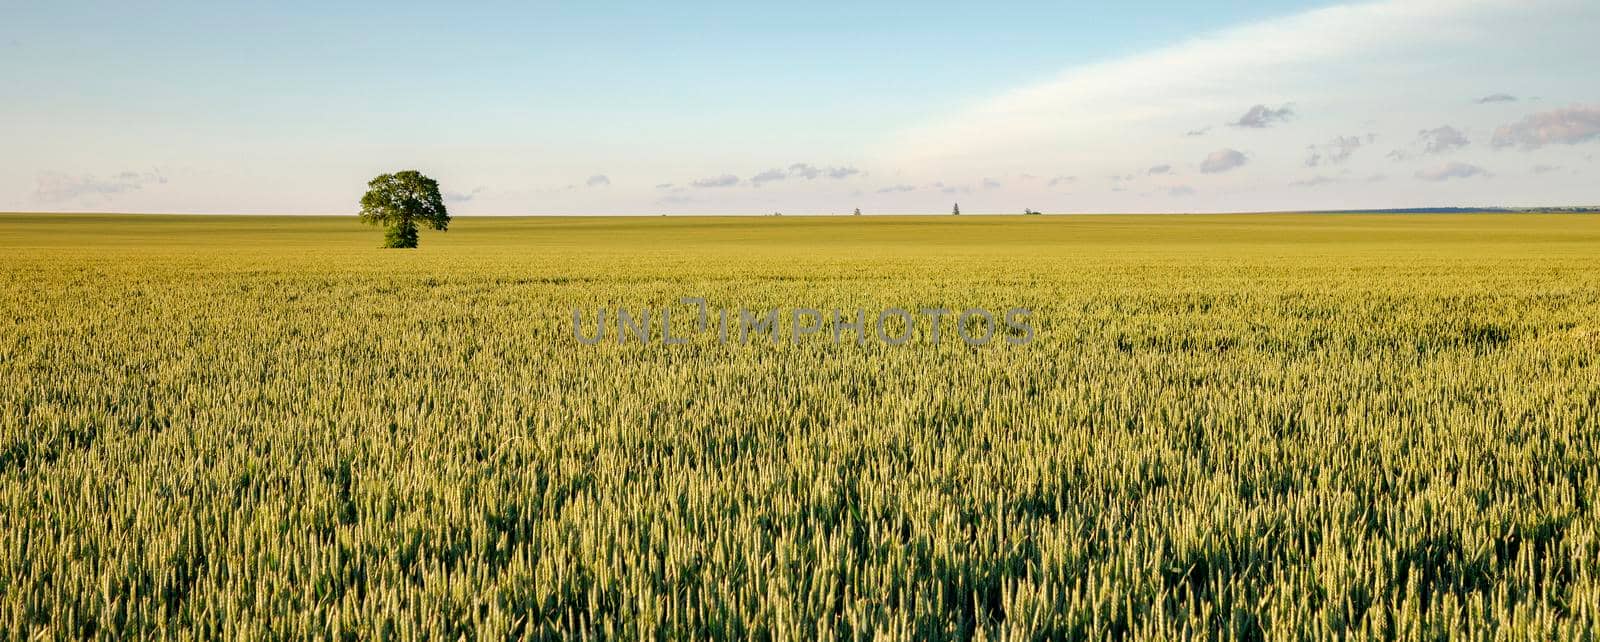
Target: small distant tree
pixel 401 201
pixel 956 211
pixel 1029 212
pixel 858 212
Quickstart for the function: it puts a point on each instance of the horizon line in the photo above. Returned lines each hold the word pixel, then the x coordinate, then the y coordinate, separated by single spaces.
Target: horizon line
pixel 1394 210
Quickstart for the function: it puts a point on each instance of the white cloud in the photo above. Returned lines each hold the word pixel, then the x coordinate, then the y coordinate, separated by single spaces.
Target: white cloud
pixel 462 197
pixel 1315 181
pixel 805 171
pixel 1389 67
pixel 1441 139
pixel 54 187
pixel 768 176
pixel 724 180
pixel 1261 116
pixel 1334 152
pixel 1222 160
pixel 811 172
pixel 1570 126
pixel 1451 170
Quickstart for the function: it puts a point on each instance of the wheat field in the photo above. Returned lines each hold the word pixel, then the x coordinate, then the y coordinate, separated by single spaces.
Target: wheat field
pixel 1248 427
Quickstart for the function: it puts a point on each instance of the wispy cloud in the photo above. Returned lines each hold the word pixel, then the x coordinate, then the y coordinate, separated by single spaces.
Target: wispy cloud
pixel 1062 180
pixel 1314 181
pixel 1451 170
pixel 811 172
pixel 897 188
pixel 59 186
pixel 1181 190
pixel 1261 116
pixel 1334 152
pixel 1441 139
pixel 1570 126
pixel 804 171
pixel 1222 160
pixel 1333 67
pixel 1438 140
pixel 768 176
pixel 1496 98
pixel 725 180
pixel 1158 170
pixel 462 197
pixel 598 180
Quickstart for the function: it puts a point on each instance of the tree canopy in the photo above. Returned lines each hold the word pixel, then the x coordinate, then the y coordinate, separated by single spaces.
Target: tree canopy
pixel 401 201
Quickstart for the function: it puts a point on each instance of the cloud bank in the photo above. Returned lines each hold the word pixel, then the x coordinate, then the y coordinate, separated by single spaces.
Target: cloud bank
pixel 56 187
pixel 1344 75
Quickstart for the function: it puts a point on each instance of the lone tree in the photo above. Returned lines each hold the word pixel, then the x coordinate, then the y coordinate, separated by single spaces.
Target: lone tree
pixel 956 211
pixel 858 212
pixel 400 201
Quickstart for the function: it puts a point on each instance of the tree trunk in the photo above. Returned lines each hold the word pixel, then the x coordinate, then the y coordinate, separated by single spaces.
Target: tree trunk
pixel 402 234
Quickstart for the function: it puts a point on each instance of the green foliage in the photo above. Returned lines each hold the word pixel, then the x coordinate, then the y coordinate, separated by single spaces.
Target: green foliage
pixel 401 235
pixel 401 201
pixel 1228 427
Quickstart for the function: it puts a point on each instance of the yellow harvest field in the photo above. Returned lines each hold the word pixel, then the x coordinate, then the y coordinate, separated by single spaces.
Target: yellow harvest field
pixel 1223 427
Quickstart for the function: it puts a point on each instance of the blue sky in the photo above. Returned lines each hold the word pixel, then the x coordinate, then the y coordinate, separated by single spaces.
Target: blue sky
pixel 642 108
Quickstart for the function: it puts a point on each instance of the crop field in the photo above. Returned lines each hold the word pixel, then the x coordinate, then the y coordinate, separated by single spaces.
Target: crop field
pixel 1247 427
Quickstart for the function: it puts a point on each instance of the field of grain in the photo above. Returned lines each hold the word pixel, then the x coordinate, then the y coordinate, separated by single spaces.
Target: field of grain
pixel 1262 427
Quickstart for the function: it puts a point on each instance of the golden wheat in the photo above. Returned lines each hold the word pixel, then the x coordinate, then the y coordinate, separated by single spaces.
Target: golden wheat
pixel 1276 427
